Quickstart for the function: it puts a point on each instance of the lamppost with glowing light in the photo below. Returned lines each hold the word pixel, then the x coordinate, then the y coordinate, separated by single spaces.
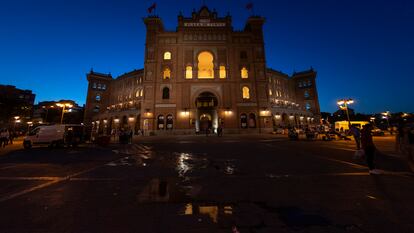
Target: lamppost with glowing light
pixel 29 123
pixel 386 115
pixel 63 106
pixel 187 113
pixel 16 120
pixel 47 111
pixel 343 104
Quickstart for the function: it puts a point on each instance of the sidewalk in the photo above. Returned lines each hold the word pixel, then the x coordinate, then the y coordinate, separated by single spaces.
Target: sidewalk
pixel 17 145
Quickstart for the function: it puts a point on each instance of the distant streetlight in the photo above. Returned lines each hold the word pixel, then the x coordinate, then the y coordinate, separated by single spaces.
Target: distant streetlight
pixel 16 120
pixel 343 104
pixel 63 106
pixel 386 115
pixel 47 111
pixel 29 123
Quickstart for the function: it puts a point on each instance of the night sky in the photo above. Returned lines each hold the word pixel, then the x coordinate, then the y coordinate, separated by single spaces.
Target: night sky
pixel 360 49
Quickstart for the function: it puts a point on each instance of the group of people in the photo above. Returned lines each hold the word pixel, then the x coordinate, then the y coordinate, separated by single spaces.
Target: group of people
pixel 124 135
pixel 364 142
pixel 6 137
pixel 405 142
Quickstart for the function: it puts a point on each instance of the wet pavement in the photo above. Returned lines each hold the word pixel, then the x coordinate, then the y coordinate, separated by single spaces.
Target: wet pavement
pixel 251 183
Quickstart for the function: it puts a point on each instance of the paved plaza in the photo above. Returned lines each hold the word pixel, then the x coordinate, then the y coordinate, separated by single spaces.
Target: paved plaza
pixel 249 183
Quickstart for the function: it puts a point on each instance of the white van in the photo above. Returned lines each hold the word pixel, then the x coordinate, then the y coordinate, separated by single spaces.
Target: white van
pixel 54 135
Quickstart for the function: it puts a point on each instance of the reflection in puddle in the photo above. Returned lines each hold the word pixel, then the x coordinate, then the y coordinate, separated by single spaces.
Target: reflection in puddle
pixel 213 211
pixel 183 164
pixel 230 167
pixel 156 191
pixel 273 176
pixel 187 163
pixel 125 161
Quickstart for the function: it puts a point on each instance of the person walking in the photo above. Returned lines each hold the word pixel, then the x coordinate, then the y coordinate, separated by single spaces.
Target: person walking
pixel 2 138
pixel 356 133
pixel 409 146
pixel 11 136
pixel 369 148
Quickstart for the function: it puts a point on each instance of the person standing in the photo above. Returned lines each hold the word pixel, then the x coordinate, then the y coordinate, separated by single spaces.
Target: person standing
pixel 409 147
pixel 369 148
pixel 11 137
pixel 357 135
pixel 2 138
pixel 6 137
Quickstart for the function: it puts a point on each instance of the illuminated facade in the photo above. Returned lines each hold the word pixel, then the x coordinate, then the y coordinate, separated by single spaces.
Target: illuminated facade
pixel 201 76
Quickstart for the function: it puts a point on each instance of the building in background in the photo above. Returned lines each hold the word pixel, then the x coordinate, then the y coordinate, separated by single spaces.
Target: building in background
pixel 16 106
pixel 50 112
pixel 203 75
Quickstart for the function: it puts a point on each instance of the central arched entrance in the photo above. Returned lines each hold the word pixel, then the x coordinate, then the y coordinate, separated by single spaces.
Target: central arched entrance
pixel 207 118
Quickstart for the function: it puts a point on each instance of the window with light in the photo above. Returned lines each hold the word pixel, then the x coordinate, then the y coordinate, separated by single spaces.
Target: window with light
pixel 189 72
pixel 205 65
pixel 244 73
pixel 222 72
pixel 167 73
pixel 167 56
pixel 246 93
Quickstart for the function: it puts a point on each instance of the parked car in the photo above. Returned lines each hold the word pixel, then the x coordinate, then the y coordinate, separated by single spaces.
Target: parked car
pixel 54 135
pixel 377 132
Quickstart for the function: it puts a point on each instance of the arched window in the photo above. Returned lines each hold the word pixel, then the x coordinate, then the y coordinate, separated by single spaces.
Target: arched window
pixel 205 66
pixel 189 72
pixel 309 83
pixel 308 106
pixel 243 121
pixel 243 55
pixel 137 93
pixel 96 109
pixel 98 97
pixel 244 73
pixel 99 86
pixel 252 120
pixel 160 122
pixel 306 94
pixel 167 55
pixel 246 93
pixel 270 92
pixel 141 93
pixel 169 121
pixel 166 73
pixel 165 93
pixel 103 86
pixel 94 85
pixel 222 72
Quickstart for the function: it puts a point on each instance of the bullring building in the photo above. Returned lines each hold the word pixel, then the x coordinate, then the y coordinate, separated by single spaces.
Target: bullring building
pixel 201 76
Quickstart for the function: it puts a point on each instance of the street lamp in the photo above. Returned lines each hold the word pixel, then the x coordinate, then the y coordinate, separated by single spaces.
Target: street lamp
pixel 386 115
pixel 343 104
pixel 186 112
pixel 47 111
pixel 29 123
pixel 16 120
pixel 63 106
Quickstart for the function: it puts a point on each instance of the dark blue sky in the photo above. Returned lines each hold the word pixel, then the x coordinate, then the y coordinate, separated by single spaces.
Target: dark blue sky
pixel 361 49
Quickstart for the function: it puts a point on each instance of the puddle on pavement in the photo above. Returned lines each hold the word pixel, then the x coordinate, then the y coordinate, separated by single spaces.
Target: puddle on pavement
pixel 274 176
pixel 138 155
pixel 187 163
pixel 214 212
pixel 296 217
pixel 162 190
pixel 128 161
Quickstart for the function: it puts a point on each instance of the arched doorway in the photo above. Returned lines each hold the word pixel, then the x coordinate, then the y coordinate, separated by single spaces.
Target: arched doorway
pixel 207 118
pixel 285 120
